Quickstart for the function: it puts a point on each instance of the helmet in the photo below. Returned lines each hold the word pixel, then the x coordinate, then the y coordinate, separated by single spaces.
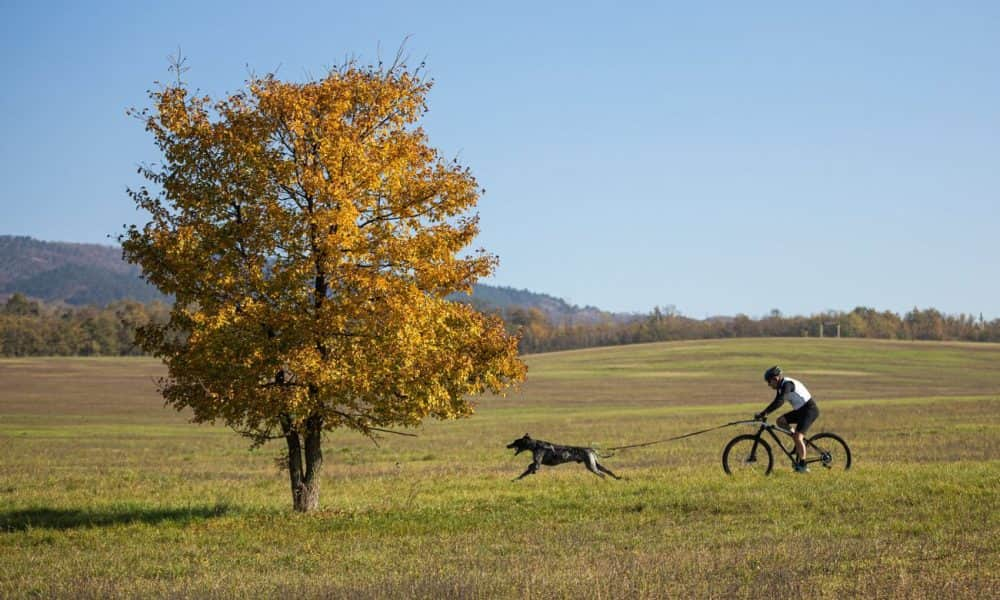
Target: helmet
pixel 774 371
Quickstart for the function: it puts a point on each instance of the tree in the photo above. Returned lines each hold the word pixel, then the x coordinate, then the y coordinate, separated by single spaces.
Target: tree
pixel 19 305
pixel 310 235
pixel 924 324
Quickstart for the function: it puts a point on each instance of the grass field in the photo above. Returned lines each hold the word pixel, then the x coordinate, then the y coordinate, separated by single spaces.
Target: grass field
pixel 105 493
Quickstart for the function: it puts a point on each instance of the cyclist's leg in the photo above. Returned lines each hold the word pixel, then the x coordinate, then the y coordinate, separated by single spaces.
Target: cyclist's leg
pixel 789 419
pixel 782 421
pixel 800 445
pixel 804 418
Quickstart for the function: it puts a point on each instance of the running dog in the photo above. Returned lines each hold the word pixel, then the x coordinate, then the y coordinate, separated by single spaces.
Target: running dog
pixel 551 455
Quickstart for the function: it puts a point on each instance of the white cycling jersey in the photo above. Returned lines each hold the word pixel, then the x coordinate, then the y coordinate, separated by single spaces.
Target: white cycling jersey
pixel 798 395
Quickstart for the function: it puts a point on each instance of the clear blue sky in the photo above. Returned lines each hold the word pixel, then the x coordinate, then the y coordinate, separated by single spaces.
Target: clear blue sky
pixel 719 157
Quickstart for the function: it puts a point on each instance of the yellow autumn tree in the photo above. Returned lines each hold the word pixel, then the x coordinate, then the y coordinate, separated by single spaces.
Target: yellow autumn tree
pixel 310 237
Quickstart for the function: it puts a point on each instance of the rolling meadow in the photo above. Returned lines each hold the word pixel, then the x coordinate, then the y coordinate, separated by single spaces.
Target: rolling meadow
pixel 104 493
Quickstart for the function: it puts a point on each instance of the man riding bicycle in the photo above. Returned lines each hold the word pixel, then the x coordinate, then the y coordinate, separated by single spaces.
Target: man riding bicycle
pixel 804 410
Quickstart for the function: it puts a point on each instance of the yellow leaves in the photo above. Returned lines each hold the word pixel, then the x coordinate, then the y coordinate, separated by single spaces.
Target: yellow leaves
pixel 311 234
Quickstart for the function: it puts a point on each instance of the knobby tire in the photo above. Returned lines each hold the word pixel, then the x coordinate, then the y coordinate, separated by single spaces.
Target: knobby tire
pixel 832 449
pixel 736 459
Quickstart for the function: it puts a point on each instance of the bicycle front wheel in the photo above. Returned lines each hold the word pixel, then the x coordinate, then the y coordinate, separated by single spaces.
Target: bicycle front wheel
pixel 833 451
pixel 747 455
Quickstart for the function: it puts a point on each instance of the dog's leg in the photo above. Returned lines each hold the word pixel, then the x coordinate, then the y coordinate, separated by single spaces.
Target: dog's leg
pixel 592 465
pixel 606 470
pixel 531 470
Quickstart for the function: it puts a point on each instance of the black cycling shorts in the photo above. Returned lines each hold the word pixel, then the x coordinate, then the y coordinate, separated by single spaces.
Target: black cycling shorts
pixel 803 416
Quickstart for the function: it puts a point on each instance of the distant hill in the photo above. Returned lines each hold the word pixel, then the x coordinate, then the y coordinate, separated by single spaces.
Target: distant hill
pixel 488 297
pixel 80 274
pixel 76 274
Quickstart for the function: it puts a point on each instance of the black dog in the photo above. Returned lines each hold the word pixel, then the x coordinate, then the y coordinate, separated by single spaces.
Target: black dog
pixel 550 454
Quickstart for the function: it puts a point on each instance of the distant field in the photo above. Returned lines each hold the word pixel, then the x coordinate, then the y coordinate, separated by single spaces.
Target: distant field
pixel 106 493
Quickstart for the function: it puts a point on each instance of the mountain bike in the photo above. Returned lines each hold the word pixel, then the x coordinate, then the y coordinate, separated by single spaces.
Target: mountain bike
pixel 750 454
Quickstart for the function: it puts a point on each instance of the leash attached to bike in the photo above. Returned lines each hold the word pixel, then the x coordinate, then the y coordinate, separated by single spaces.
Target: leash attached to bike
pixel 677 437
pixel 751 453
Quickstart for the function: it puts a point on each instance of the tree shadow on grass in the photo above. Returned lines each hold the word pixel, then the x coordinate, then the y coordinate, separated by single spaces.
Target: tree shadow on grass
pixel 62 519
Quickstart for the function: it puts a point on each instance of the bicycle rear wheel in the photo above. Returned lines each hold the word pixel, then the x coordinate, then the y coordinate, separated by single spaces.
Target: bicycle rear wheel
pixel 747 455
pixel 833 451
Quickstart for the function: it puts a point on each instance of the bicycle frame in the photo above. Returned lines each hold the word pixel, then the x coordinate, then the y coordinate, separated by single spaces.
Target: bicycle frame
pixel 770 428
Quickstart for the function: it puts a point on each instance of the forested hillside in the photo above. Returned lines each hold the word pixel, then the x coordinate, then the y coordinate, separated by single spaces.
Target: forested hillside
pixel 91 274
pixel 81 299
pixel 77 274
pixel 493 298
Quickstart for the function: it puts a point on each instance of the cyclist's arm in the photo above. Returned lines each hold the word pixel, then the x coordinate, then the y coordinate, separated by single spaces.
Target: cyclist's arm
pixel 786 388
pixel 778 400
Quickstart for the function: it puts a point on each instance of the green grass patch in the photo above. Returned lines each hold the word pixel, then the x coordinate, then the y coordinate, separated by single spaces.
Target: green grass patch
pixel 104 493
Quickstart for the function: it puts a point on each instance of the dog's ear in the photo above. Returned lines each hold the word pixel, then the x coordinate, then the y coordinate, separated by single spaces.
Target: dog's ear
pixel 526 437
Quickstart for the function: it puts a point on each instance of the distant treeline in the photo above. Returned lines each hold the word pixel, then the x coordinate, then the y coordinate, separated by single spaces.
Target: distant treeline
pixel 540 334
pixel 32 328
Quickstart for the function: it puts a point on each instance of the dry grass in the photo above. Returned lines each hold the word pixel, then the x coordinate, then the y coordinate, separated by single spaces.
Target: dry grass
pixel 104 493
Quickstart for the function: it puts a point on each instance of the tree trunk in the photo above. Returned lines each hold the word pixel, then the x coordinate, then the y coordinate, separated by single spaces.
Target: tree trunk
pixel 305 482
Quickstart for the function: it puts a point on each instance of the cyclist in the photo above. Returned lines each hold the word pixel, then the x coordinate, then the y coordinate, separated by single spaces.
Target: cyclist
pixel 804 410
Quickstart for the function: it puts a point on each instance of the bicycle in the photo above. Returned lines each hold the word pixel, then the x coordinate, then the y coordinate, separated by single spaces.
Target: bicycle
pixel 751 454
